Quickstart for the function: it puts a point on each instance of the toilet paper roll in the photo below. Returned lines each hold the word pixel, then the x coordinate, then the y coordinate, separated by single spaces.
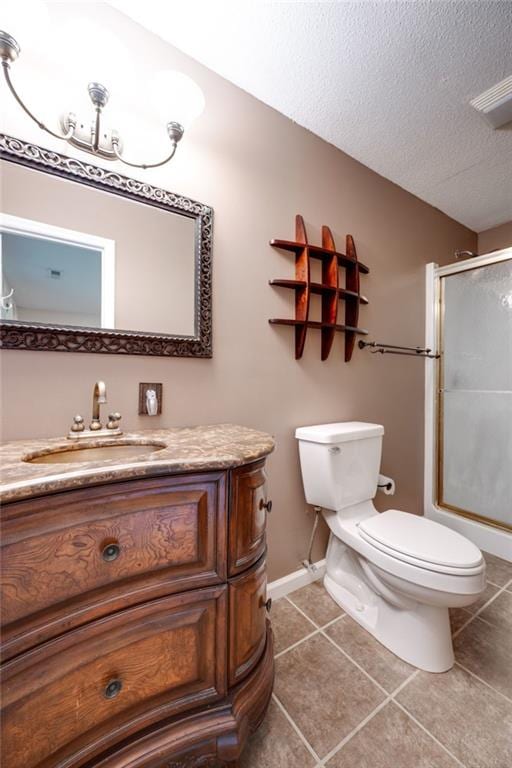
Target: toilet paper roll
pixel 386 485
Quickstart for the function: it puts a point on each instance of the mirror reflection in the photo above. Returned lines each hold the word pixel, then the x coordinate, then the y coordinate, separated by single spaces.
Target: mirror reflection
pixel 45 281
pixel 75 256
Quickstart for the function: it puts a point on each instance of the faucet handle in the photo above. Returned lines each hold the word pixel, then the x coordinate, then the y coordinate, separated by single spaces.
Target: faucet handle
pixel 78 423
pixel 113 420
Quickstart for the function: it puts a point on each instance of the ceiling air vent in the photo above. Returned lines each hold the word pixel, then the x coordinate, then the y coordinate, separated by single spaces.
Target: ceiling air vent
pixel 495 104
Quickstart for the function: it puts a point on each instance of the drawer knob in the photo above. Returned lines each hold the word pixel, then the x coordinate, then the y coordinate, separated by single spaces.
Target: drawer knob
pixel 111 552
pixel 266 505
pixel 112 689
pixel 268 604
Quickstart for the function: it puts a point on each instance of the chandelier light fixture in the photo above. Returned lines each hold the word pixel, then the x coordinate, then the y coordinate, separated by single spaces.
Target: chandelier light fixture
pixel 92 136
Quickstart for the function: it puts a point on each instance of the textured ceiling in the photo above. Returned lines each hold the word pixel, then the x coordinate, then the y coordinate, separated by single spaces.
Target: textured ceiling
pixel 387 82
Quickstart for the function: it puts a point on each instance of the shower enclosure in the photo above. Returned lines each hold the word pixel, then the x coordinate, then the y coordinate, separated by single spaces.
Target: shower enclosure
pixel 468 397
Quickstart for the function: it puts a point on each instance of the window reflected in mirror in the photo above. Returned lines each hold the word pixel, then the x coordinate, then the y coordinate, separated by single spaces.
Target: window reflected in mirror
pixel 55 283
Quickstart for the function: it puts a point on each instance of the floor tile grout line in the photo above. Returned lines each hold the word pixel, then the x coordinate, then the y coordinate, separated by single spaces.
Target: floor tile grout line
pixel 484 682
pixel 390 697
pixel 302 612
pixel 318 626
pixel 299 642
pixel 431 735
pixel 321 631
pixel 500 586
pixel 402 685
pixel 334 621
pixel 366 720
pixel 316 631
pixel 311 634
pixel 297 730
pixel 355 663
pixel 477 613
pixel 355 730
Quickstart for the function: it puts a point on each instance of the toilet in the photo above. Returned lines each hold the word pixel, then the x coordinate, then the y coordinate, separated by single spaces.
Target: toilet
pixel 394 573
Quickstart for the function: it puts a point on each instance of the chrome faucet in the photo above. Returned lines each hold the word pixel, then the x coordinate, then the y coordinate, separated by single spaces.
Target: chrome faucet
pixel 99 397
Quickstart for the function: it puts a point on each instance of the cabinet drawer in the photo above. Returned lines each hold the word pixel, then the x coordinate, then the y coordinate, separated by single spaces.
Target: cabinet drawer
pixel 247 621
pixel 247 516
pixel 75 696
pixel 85 553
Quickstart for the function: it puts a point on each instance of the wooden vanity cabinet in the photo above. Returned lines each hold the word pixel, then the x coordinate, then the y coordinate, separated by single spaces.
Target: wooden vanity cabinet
pixel 135 628
pixel 248 516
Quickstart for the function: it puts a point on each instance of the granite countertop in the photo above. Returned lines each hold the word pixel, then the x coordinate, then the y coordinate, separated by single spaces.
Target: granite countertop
pixel 181 449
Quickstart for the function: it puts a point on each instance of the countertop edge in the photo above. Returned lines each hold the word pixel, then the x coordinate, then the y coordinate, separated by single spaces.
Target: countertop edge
pixel 78 477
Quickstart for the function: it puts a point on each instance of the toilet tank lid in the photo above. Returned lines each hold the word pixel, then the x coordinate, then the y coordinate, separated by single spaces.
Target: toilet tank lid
pixel 339 432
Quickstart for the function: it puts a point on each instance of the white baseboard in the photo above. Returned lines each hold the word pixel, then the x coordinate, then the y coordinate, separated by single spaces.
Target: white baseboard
pixel 291 582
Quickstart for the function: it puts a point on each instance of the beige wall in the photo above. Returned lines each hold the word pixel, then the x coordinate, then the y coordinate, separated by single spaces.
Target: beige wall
pixel 495 239
pixel 258 169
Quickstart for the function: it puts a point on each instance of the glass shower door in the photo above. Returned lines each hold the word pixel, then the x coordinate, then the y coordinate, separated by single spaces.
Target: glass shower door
pixel 475 394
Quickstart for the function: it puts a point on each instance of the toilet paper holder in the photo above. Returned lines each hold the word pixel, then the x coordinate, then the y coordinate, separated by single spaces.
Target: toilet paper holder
pixel 386 485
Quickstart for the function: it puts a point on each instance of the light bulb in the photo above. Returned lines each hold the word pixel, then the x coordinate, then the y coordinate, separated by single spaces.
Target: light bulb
pixel 94 54
pixel 26 21
pixel 176 97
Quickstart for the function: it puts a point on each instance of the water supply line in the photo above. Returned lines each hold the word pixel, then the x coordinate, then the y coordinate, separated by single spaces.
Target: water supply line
pixel 308 562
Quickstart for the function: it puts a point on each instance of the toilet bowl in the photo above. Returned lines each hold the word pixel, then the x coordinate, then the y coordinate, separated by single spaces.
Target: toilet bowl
pixel 394 573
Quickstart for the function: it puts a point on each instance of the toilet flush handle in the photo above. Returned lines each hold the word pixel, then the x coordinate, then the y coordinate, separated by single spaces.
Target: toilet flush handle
pixel 334 449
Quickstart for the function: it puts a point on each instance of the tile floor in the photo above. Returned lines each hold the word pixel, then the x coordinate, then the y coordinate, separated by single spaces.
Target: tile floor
pixel 341 700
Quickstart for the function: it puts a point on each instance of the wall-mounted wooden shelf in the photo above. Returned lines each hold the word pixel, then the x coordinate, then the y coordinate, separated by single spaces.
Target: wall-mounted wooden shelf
pixel 319 288
pixel 329 289
pixel 317 252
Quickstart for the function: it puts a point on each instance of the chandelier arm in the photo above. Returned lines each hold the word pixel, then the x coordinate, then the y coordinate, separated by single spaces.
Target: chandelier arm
pixel 96 142
pixel 65 137
pixel 143 165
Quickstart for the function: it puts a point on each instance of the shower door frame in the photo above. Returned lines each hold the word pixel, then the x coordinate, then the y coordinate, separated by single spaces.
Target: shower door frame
pixel 486 534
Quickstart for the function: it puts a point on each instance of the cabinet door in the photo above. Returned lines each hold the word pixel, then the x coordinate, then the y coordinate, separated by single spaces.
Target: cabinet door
pixel 73 556
pixel 247 516
pixel 76 696
pixel 247 621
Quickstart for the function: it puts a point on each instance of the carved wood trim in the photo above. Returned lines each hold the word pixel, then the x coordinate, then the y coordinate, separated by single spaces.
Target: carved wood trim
pixel 19 335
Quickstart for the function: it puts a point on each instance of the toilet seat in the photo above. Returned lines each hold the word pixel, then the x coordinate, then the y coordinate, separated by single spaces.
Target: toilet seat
pixel 422 543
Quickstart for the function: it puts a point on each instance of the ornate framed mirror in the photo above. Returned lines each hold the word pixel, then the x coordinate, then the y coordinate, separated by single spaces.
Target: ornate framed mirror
pixel 94 261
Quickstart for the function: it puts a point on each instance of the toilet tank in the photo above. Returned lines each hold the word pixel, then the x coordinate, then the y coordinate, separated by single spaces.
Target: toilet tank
pixel 340 462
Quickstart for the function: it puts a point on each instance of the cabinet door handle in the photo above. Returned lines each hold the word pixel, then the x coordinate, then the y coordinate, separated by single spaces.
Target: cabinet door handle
pixel 111 552
pixel 112 688
pixel 266 505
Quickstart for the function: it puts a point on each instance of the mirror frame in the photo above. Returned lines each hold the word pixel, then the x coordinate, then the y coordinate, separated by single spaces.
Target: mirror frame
pixel 56 338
